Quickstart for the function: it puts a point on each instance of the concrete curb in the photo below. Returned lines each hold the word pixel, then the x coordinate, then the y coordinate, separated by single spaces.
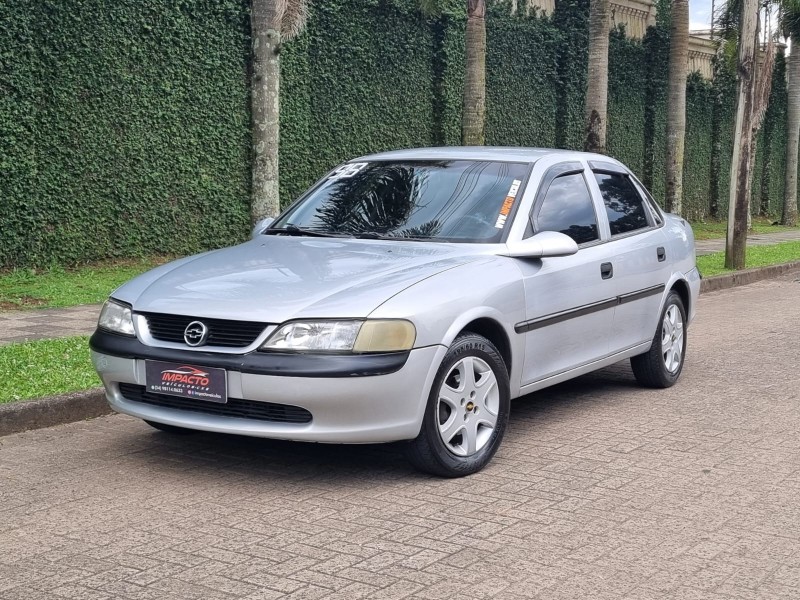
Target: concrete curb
pixel 729 280
pixel 54 410
pixel 77 406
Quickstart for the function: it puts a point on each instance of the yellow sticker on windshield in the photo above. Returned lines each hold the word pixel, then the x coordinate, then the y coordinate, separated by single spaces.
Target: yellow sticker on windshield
pixel 508 204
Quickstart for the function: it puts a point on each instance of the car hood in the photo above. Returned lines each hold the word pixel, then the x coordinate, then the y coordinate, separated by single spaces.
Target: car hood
pixel 276 278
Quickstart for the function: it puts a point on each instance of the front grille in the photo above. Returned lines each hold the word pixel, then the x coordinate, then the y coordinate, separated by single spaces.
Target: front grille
pixel 221 332
pixel 235 407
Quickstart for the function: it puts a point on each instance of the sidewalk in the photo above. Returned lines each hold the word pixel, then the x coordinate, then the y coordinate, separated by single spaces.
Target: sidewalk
pixel 39 324
pixel 48 323
pixel 754 239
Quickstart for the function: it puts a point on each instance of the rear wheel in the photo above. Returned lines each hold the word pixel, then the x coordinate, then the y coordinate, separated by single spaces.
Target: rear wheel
pixel 174 429
pixel 661 366
pixel 467 411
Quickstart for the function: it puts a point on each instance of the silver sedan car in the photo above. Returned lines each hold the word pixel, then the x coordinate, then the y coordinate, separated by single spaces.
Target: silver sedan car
pixel 409 295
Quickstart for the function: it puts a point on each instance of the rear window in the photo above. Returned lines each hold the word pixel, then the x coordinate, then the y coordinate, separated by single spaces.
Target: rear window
pixel 624 206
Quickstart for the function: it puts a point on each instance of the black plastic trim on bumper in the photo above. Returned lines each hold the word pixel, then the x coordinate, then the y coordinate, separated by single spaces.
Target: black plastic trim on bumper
pixel 258 363
pixel 236 408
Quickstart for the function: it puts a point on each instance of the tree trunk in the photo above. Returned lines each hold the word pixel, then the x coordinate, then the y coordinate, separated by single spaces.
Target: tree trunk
pixel 789 216
pixel 265 108
pixel 473 115
pixel 597 82
pixel 742 160
pixel 676 104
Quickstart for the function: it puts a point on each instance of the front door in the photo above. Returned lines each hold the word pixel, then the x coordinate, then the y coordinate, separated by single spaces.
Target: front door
pixel 570 300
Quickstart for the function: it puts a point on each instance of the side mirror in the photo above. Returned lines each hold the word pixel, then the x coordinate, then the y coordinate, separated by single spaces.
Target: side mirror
pixel 541 245
pixel 261 226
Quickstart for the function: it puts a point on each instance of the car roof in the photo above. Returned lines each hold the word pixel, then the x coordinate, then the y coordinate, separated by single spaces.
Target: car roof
pixel 503 153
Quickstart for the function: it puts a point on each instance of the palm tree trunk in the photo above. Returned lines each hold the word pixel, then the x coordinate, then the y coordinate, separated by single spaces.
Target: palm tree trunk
pixel 742 160
pixel 473 115
pixel 597 83
pixel 676 104
pixel 789 216
pixel 265 24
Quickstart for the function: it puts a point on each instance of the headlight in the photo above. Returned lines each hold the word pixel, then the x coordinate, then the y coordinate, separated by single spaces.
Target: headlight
pixel 343 336
pixel 116 317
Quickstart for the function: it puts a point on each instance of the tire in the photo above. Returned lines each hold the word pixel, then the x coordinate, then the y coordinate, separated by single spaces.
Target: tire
pixel 465 418
pixel 661 366
pixel 173 429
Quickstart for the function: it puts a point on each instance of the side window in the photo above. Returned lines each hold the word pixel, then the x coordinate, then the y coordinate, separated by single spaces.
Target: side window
pixel 624 205
pixel 567 207
pixel 651 203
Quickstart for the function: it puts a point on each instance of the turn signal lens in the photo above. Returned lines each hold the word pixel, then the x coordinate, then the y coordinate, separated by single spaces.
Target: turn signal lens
pixel 385 336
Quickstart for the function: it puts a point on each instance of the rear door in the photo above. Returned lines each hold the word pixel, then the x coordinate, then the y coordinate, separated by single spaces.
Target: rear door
pixel 638 252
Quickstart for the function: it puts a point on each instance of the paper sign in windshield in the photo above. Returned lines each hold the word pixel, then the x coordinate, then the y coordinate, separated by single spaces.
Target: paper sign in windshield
pixel 347 170
pixel 508 204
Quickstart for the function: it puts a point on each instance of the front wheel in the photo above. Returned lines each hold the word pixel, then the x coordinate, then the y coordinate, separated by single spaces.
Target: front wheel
pixel 661 366
pixel 467 411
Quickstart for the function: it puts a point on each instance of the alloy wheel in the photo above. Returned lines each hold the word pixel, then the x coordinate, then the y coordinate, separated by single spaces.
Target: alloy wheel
pixel 672 338
pixel 469 402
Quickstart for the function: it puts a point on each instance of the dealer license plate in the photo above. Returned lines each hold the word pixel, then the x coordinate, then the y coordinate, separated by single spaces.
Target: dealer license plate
pixel 187 381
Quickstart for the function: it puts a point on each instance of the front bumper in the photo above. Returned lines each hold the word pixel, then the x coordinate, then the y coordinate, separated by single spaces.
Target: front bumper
pixel 354 409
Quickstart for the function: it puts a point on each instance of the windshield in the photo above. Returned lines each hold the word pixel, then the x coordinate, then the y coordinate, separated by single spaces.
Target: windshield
pixel 444 200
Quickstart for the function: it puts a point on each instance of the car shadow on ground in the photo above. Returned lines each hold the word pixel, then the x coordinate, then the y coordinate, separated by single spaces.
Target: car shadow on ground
pixel 576 394
pixel 286 461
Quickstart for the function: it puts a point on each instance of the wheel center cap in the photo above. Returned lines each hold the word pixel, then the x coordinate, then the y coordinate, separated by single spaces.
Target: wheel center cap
pixel 470 406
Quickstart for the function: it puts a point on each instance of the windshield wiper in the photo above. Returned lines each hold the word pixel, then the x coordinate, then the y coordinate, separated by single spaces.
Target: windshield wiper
pixel 371 235
pixel 291 229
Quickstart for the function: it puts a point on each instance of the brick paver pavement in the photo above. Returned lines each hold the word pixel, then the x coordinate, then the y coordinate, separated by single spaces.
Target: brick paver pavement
pixel 601 490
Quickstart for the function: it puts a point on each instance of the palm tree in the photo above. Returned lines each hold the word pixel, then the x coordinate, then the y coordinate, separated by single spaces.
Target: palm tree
pixel 473 116
pixel 271 22
pixel 473 103
pixel 790 21
pixel 676 103
pixel 596 106
pixel 742 160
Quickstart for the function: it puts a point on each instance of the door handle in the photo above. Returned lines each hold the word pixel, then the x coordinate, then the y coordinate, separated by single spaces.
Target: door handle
pixel 662 254
pixel 606 270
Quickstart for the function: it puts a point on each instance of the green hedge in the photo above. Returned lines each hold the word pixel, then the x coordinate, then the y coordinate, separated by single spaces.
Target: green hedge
pixel 124 128
pixel 522 93
pixel 124 125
